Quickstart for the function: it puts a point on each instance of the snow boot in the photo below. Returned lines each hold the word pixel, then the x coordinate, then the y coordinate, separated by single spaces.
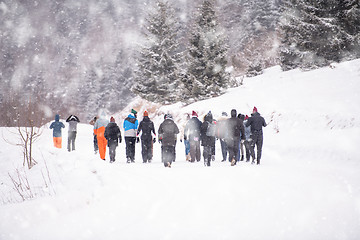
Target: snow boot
pixel 242 158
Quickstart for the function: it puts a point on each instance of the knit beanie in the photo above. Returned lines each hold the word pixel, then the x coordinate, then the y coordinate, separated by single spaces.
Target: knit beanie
pixel 146 114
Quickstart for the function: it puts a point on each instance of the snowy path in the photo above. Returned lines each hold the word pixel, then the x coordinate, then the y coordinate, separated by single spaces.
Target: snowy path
pixel 279 199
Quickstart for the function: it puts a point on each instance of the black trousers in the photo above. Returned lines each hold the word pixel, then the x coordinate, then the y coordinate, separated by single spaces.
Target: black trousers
pixel 195 151
pixel 130 148
pixel 168 154
pixel 112 151
pixel 96 147
pixel 207 152
pixel 71 141
pixel 146 149
pixel 233 148
pixel 257 139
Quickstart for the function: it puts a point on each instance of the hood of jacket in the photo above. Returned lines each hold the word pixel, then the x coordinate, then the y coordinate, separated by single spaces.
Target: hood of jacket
pixel 233 113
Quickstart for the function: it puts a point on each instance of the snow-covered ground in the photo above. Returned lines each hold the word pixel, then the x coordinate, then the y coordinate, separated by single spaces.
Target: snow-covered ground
pixel 307 187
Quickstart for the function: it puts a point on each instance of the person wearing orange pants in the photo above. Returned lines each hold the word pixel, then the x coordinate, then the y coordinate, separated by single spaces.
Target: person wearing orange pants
pixel 57 126
pixel 99 130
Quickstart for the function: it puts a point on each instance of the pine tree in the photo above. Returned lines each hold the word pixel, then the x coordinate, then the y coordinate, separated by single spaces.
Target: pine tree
pixel 206 75
pixel 157 77
pixel 315 33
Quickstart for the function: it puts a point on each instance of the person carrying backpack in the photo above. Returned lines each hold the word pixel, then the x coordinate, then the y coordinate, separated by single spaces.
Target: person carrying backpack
pixel 207 138
pixel 73 121
pixel 113 137
pixel 57 126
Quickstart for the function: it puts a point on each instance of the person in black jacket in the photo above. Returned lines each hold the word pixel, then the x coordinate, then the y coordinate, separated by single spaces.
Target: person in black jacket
pixel 236 131
pixel 192 133
pixel 207 138
pixel 112 135
pixel 146 126
pixel 168 131
pixel 256 122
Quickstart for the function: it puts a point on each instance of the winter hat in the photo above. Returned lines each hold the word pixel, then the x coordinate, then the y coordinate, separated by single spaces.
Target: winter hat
pixel 112 119
pixel 194 114
pixel 246 117
pixel 168 116
pixel 255 109
pixel 133 111
pixel 146 114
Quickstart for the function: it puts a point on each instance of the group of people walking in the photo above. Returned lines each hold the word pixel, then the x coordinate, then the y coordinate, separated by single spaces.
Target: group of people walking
pixel 238 136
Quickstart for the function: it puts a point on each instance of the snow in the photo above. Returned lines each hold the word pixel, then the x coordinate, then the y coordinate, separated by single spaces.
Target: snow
pixel 307 187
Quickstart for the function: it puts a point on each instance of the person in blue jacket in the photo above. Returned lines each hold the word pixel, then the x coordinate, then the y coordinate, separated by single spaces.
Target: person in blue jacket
pixel 130 130
pixel 57 126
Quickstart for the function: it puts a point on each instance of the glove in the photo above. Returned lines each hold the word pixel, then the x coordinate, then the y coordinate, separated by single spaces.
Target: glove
pixel 242 141
pixel 185 138
pixel 120 139
pixel 180 140
pixel 137 139
pixel 154 140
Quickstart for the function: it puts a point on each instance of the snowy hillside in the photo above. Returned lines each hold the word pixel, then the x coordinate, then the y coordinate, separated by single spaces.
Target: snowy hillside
pixel 307 187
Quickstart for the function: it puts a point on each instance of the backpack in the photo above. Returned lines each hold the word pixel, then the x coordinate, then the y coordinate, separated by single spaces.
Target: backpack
pixel 211 130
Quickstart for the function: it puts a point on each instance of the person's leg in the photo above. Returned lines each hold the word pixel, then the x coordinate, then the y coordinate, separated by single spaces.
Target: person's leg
pixel 69 141
pixel 132 148
pixel 198 151
pixel 73 140
pixel 144 151
pixel 193 151
pixel 259 148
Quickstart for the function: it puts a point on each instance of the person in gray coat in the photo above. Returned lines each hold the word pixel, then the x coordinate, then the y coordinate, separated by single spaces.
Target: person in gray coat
pixel 73 121
pixel 167 133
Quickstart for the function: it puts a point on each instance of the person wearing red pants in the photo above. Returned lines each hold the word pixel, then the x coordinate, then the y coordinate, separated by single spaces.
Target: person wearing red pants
pixel 99 130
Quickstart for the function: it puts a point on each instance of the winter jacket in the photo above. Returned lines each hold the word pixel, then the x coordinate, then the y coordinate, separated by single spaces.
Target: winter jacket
pixel 192 129
pixel 256 122
pixel 130 126
pixel 221 128
pixel 100 122
pixel 205 139
pixel 235 127
pixel 112 134
pixel 167 132
pixel 73 121
pixel 146 126
pixel 57 125
pixel 247 131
